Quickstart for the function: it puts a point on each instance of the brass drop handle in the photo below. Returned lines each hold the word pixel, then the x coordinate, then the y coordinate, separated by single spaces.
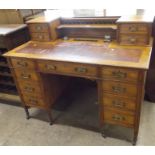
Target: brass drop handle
pixel 133 28
pixel 22 64
pixel 51 67
pixel 29 89
pixel 81 69
pixel 118 104
pixel 132 40
pixel 117 117
pixel 118 89
pixel 119 74
pixel 33 101
pixel 38 27
pixel 25 76
pixel 41 36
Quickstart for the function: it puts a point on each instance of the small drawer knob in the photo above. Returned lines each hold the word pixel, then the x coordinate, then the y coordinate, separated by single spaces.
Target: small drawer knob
pixel 40 37
pixel 132 40
pixel 38 27
pixel 29 89
pixel 33 101
pixel 25 76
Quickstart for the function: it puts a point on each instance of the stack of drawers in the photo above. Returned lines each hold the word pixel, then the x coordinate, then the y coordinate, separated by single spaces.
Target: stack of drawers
pixel 40 32
pixel 28 81
pixel 134 30
pixel 120 100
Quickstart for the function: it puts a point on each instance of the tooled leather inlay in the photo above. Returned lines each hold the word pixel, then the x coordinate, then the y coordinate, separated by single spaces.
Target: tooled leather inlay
pixel 83 49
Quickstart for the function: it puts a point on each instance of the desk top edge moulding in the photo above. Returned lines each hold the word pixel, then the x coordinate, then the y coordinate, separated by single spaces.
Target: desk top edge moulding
pixel 115 52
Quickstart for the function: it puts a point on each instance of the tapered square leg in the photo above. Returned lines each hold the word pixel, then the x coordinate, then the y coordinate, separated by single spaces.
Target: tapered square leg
pixel 50 117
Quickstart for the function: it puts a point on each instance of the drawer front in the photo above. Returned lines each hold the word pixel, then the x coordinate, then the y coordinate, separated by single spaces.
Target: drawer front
pixel 68 68
pixel 40 36
pixel 22 63
pixel 123 89
pixel 119 118
pixel 26 75
pixel 38 27
pixel 133 39
pixel 30 88
pixel 118 102
pixel 133 28
pixel 32 100
pixel 120 74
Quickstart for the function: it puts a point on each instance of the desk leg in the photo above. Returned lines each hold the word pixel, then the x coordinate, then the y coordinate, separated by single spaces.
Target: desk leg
pixel 50 116
pixel 27 112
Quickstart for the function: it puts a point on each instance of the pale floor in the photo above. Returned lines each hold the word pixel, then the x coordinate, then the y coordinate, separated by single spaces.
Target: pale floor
pixel 77 125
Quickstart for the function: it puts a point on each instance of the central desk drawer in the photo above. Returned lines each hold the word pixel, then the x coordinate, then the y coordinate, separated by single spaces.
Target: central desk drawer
pixel 30 87
pixel 26 75
pixel 22 63
pixel 120 74
pixel 123 89
pixel 68 68
pixel 38 27
pixel 118 117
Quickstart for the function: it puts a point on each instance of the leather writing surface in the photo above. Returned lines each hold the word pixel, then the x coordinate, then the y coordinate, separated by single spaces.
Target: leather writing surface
pixel 83 49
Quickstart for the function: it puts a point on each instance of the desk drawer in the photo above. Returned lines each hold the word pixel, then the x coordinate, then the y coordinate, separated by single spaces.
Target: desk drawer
pixel 120 74
pixel 118 117
pixel 122 89
pixel 26 75
pixel 40 36
pixel 31 100
pixel 68 68
pixel 133 28
pixel 30 87
pixel 119 103
pixel 22 63
pixel 38 27
pixel 133 39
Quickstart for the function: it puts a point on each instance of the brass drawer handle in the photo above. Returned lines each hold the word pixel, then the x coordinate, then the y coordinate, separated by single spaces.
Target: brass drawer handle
pixel 118 104
pixel 33 101
pixel 40 36
pixel 51 67
pixel 117 117
pixel 132 40
pixel 81 69
pixel 38 28
pixel 22 64
pixel 118 89
pixel 119 74
pixel 26 76
pixel 29 89
pixel 133 28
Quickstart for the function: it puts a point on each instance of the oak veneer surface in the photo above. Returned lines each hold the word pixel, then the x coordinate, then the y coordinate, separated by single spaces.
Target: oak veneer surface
pixel 90 52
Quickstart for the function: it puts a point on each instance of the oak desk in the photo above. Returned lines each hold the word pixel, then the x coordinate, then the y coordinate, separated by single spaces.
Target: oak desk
pixel 118 70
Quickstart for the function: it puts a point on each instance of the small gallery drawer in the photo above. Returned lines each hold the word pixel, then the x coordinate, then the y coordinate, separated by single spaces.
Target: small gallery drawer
pixel 40 36
pixel 118 102
pixel 22 63
pixel 122 89
pixel 30 87
pixel 120 74
pixel 68 68
pixel 32 100
pixel 118 117
pixel 133 28
pixel 26 75
pixel 133 39
pixel 38 27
